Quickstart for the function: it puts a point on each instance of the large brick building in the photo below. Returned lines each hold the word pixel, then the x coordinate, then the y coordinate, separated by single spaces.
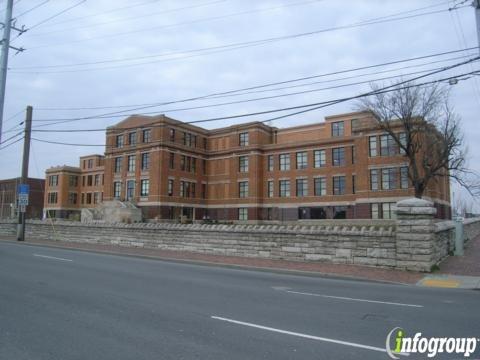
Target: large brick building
pixel 345 167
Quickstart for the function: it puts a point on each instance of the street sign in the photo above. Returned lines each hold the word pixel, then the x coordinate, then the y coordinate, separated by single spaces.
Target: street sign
pixel 23 190
pixel 23 208
pixel 22 199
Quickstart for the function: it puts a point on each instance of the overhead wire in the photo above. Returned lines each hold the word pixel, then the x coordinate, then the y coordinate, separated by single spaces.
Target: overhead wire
pixel 225 47
pixel 31 9
pixel 315 106
pixel 259 98
pixel 207 19
pixel 323 104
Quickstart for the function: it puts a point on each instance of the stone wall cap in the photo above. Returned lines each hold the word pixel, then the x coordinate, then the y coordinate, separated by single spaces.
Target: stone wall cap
pixel 414 202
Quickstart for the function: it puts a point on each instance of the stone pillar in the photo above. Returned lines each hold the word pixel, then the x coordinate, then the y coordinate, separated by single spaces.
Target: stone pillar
pixel 415 235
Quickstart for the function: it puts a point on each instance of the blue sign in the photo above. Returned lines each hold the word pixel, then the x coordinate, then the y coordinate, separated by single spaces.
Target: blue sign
pixel 23 189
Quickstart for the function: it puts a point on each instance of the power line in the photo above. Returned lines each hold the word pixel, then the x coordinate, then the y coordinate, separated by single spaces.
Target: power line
pixel 14 115
pixel 319 105
pixel 146 106
pixel 11 137
pixel 57 14
pixel 263 98
pixel 31 9
pixel 133 17
pixel 16 141
pixel 315 106
pixel 117 34
pixel 225 47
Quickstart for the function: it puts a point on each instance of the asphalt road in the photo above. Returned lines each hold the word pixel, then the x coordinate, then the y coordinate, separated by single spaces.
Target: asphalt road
pixel 65 304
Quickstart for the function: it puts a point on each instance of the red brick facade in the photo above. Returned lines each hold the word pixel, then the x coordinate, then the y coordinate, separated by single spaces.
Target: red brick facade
pixel 344 167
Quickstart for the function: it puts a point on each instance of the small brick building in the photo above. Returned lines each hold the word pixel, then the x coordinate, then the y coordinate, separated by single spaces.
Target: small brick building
pixel 8 198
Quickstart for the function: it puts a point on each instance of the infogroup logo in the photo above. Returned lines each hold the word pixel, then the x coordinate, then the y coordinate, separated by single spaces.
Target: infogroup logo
pixel 404 345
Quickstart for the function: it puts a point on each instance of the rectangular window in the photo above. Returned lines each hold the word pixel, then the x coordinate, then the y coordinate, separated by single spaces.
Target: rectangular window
pixel 145 161
pixel 146 136
pixel 388 146
pixel 182 188
pixel 188 163
pixel 243 214
pixel 388 210
pixel 72 198
pixel 338 156
pixel 374 179
pixel 171 161
pixel 144 187
pixel 73 180
pixel 270 188
pixel 302 187
pixel 96 197
pixel 52 198
pixel 182 162
pixel 89 180
pixel 117 189
pixel 338 185
pixel 389 179
pixel 204 191
pixel 130 189
pixel 374 210
pixel 402 137
pixel 132 138
pixel 117 168
pixel 243 139
pixel 284 188
pixel 192 190
pixel 302 160
pixel 53 180
pixel 194 165
pixel 353 154
pixel 170 187
pixel 131 163
pixel 204 167
pixel 404 177
pixel 187 139
pixel 83 198
pixel 89 198
pixel 353 184
pixel 320 186
pixel 172 135
pixel 270 163
pixel 243 164
pixel 90 163
pixel 243 189
pixel 372 146
pixel 119 141
pixel 338 128
pixel 97 180
pixel 284 162
pixel 205 143
pixel 320 159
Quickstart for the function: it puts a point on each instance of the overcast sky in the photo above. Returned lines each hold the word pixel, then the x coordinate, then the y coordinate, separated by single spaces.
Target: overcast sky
pixel 108 54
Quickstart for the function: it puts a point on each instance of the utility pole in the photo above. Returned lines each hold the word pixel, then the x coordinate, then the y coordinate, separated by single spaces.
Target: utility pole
pixel 23 179
pixel 7 26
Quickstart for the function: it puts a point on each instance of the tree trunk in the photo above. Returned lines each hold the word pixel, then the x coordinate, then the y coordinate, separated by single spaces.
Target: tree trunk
pixel 419 189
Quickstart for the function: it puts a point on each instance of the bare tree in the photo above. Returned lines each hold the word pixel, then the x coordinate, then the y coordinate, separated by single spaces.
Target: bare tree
pixel 423 125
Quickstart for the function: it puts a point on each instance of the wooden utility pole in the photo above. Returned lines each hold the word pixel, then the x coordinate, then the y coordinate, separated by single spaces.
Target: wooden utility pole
pixel 24 178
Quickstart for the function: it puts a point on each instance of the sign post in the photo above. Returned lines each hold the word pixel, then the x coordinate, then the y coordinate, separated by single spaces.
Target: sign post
pixel 22 202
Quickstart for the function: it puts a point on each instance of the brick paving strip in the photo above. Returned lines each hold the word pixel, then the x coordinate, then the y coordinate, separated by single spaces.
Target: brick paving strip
pixel 313 268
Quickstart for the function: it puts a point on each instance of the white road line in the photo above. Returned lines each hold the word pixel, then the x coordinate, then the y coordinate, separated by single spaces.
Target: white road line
pixel 306 336
pixel 354 299
pixel 51 257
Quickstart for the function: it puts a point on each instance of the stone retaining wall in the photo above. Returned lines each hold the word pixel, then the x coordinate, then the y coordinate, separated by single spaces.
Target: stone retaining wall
pixel 373 245
pixel 415 241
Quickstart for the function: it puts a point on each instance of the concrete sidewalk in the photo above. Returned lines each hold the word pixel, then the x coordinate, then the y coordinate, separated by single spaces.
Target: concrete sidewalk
pixel 462 272
pixel 455 272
